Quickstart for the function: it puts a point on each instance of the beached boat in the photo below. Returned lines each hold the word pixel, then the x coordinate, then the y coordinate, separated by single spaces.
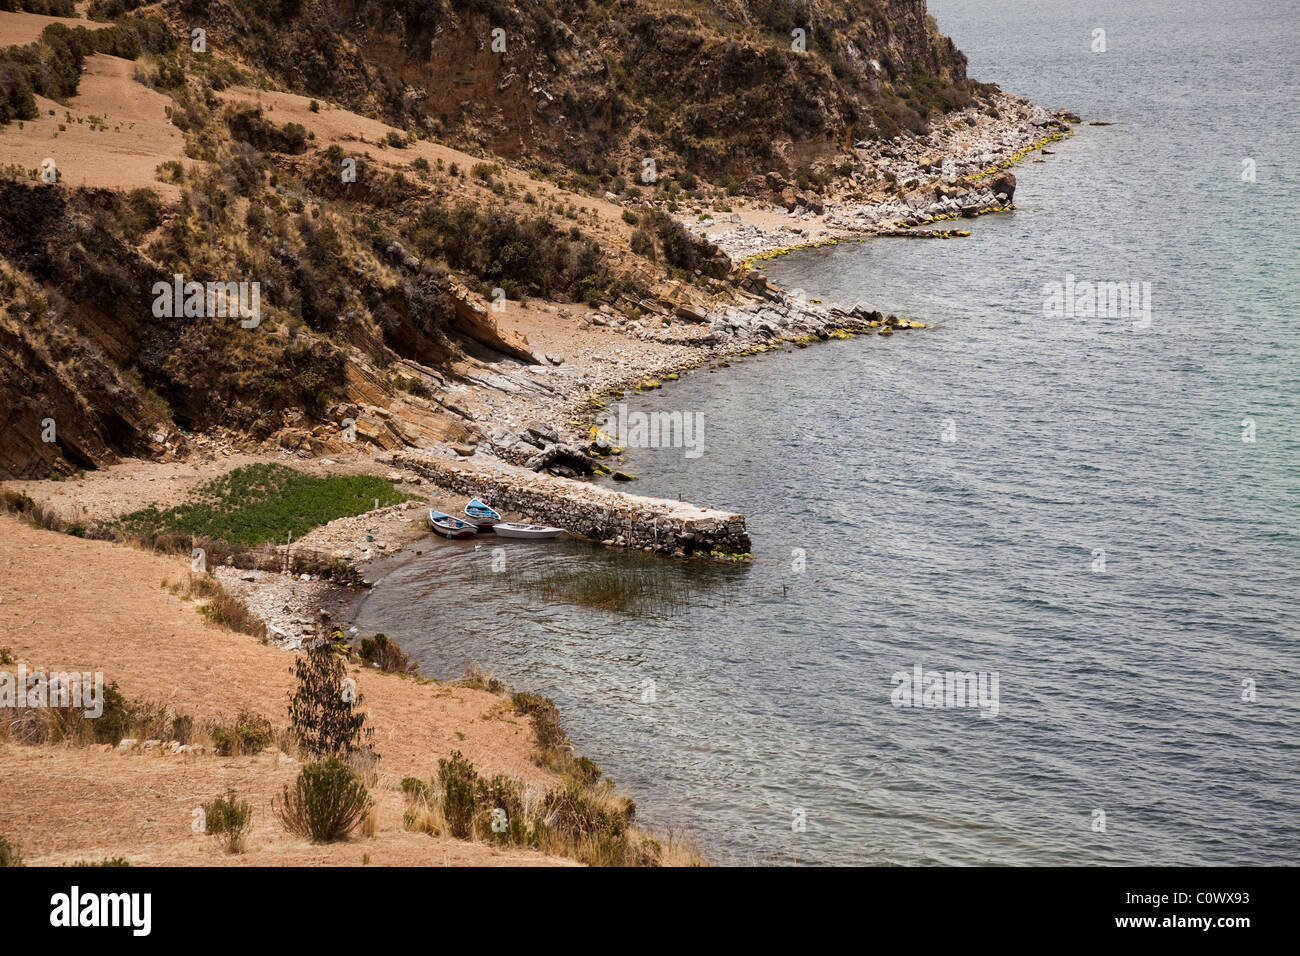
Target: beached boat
pixel 534 532
pixel 481 515
pixel 450 527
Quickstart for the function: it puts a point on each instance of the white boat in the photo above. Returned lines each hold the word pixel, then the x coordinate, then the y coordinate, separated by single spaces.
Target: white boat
pixel 532 532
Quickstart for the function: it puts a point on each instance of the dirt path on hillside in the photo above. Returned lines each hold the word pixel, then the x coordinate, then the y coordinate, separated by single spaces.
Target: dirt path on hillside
pixel 114 133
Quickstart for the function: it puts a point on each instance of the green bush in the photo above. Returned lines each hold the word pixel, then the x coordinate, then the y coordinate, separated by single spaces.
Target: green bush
pixel 529 254
pixel 643 244
pixel 249 734
pixel 247 123
pixel 551 738
pixel 109 861
pixel 386 655
pixel 114 722
pixel 497 797
pixel 326 803
pixel 230 819
pixel 459 783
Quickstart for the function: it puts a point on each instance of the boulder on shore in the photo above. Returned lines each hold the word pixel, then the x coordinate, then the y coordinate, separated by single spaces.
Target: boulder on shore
pixel 1003 182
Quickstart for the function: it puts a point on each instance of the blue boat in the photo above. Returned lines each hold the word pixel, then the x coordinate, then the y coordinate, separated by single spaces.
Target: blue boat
pixel 481 515
pixel 449 527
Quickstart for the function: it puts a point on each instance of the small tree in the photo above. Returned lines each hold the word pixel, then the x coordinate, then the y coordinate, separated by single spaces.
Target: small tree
pixel 323 711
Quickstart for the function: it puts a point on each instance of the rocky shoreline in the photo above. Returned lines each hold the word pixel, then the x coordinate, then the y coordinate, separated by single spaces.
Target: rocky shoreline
pixel 960 172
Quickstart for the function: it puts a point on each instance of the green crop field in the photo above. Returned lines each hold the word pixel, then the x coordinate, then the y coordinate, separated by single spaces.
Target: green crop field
pixel 261 503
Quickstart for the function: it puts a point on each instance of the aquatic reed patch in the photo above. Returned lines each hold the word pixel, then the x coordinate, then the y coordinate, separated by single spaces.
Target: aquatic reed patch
pixel 639 584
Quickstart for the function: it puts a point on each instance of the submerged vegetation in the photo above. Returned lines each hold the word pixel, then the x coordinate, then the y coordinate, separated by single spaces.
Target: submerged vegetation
pixel 635 584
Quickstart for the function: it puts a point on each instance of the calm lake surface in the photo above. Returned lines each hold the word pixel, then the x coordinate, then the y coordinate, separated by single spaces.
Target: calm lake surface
pixel 1096 532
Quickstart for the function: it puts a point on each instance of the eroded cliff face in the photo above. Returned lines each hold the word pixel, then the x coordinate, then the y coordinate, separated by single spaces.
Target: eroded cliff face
pixel 717 89
pixel 89 371
pixel 67 340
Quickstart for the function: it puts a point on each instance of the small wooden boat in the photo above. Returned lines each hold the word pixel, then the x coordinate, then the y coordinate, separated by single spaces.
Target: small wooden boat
pixel 532 532
pixel 450 527
pixel 480 515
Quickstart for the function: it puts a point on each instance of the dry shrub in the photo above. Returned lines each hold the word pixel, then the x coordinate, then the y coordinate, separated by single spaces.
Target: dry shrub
pixel 551 738
pixel 230 819
pixel 219 606
pixel 248 734
pixel 475 678
pixel 387 655
pixel 326 803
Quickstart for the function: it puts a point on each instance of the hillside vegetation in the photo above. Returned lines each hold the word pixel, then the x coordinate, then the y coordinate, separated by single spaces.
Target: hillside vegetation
pixel 429 168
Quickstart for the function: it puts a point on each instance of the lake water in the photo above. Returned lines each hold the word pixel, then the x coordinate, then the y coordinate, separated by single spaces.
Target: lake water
pixel 1066 503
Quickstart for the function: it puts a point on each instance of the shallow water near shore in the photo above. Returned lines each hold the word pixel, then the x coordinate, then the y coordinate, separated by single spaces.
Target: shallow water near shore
pixel 1096 532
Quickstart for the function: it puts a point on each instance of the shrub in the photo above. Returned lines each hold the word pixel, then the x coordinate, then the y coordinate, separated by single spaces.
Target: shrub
pixel 114 722
pixel 501 801
pixel 249 734
pixel 386 655
pixel 593 819
pixel 501 248
pixel 113 861
pixel 230 819
pixel 9 854
pixel 551 738
pixel 326 803
pixel 459 784
pixel 476 678
pixel 643 244
pixel 415 789
pixel 247 123
pixel 585 770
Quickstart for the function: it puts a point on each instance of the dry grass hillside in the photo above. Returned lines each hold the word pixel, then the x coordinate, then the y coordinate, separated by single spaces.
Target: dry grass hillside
pixel 93 606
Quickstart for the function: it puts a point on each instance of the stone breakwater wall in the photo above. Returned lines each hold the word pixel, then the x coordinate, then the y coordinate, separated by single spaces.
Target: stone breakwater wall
pixel 591 511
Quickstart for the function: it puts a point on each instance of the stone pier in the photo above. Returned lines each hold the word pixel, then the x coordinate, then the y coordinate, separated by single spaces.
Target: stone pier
pixel 591 511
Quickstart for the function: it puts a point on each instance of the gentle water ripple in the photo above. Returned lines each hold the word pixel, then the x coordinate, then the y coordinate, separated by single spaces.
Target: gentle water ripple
pixel 1120 690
